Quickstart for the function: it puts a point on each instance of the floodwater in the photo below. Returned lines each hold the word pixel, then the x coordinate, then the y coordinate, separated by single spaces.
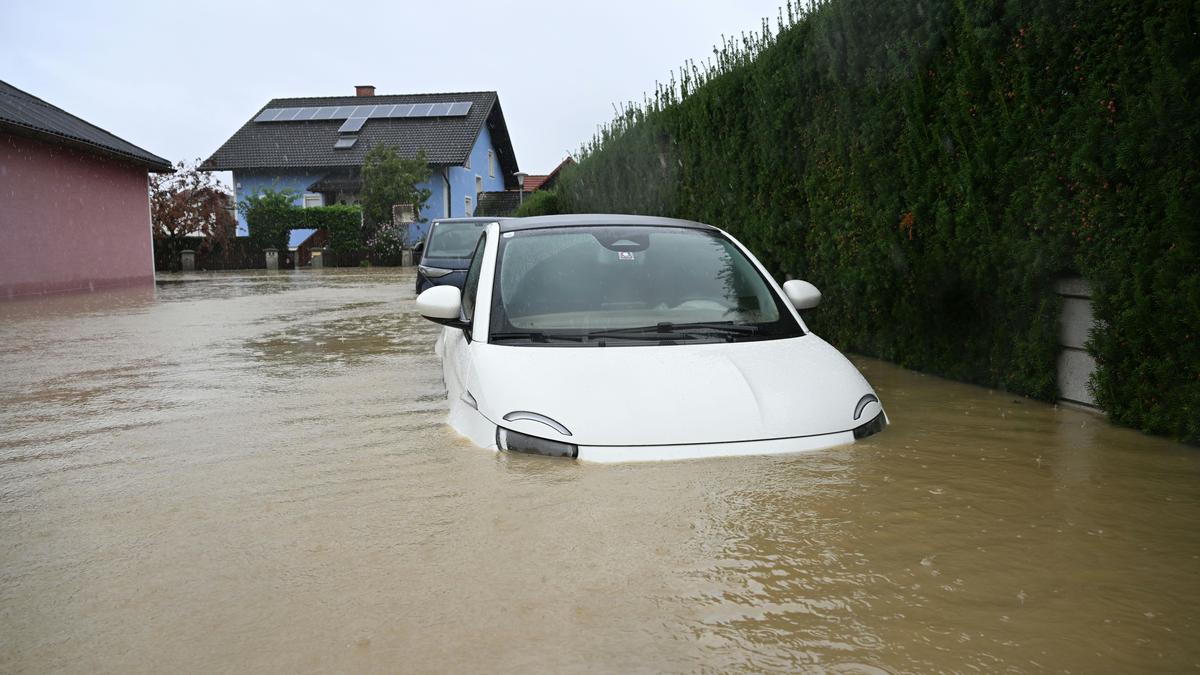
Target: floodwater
pixel 251 474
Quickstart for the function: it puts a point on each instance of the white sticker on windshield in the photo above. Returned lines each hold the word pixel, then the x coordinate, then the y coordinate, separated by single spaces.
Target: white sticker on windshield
pixel 624 255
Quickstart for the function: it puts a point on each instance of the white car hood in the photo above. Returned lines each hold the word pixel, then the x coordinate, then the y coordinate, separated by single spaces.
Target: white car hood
pixel 665 395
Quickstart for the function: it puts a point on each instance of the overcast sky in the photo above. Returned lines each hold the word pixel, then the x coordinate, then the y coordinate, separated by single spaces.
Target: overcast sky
pixel 179 78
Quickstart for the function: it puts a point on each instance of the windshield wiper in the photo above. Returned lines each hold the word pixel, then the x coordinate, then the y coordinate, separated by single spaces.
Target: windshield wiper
pixel 719 326
pixel 668 328
pixel 534 336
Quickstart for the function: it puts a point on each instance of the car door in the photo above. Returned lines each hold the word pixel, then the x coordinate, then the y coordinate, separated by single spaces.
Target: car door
pixel 457 357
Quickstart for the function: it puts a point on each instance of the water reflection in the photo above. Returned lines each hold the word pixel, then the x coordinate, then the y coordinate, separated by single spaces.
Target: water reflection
pixel 252 473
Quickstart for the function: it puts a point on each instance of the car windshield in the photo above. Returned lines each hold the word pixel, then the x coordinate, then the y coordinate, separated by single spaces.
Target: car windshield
pixel 630 284
pixel 453 240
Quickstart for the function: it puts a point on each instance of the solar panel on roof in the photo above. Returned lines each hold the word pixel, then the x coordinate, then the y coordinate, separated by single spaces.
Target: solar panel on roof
pixel 382 111
pixel 401 110
pixel 352 125
pixel 343 143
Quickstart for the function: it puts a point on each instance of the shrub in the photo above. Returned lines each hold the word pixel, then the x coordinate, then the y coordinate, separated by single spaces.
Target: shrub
pixel 270 216
pixel 934 166
pixel 541 203
pixel 342 222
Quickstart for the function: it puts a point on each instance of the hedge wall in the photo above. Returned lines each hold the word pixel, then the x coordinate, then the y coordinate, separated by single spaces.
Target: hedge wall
pixel 934 165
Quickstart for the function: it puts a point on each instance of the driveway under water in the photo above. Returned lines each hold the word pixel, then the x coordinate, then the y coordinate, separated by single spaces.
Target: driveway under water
pixel 250 473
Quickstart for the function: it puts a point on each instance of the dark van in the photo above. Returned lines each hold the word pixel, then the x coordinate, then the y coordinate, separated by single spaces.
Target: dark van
pixel 448 249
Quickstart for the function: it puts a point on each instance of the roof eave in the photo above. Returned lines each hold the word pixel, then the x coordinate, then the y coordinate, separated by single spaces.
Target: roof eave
pixel 157 165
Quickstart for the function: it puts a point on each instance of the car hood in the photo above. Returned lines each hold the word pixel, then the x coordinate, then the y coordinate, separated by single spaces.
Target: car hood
pixel 447 263
pixel 666 395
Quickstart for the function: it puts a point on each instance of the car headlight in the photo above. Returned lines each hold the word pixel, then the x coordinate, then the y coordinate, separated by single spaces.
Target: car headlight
pixel 875 426
pixel 433 272
pixel 513 441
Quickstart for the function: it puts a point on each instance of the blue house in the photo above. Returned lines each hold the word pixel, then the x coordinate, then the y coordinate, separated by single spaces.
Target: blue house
pixel 315 147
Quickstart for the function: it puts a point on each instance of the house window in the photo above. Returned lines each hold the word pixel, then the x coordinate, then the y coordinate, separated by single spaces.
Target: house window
pixel 491 164
pixel 467 164
pixel 478 183
pixel 467 210
pixel 312 199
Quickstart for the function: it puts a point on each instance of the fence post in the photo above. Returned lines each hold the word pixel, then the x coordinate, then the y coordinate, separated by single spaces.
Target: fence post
pixel 187 260
pixel 317 260
pixel 272 258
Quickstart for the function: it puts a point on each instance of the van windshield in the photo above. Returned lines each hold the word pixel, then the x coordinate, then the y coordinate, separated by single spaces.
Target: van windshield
pixel 453 240
pixel 611 285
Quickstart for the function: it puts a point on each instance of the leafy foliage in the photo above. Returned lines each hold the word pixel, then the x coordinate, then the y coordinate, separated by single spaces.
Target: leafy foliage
pixel 540 203
pixel 388 180
pixel 189 203
pixel 270 215
pixel 934 166
pixel 342 222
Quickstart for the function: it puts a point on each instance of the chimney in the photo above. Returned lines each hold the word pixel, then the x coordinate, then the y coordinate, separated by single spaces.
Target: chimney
pixel 364 90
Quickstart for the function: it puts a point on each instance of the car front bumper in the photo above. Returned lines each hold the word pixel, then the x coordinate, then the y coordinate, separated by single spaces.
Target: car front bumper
pixel 469 422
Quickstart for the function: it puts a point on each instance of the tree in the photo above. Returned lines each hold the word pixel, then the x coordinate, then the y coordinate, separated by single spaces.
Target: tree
pixel 271 215
pixel 388 180
pixel 189 203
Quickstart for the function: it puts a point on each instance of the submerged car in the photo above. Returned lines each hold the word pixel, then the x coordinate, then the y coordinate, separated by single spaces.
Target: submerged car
pixel 447 251
pixel 625 338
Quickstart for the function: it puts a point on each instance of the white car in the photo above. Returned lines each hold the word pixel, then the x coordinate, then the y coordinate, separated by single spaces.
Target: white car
pixel 613 338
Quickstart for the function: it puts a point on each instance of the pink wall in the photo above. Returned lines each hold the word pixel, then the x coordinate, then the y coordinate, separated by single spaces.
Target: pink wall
pixel 70 220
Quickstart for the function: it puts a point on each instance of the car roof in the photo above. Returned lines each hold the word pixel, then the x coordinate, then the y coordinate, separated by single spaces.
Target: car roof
pixel 479 219
pixel 595 219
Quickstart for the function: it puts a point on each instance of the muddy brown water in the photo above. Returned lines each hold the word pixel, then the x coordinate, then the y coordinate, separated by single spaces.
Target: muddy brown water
pixel 250 473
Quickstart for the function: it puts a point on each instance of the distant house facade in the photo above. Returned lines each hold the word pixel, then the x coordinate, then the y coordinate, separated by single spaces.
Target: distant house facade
pixel 315 148
pixel 507 202
pixel 74 202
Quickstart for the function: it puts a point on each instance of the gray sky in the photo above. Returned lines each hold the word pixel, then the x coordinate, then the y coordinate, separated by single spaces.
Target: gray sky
pixel 179 78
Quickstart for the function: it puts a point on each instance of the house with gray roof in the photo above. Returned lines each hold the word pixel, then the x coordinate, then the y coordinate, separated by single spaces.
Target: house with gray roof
pixel 315 147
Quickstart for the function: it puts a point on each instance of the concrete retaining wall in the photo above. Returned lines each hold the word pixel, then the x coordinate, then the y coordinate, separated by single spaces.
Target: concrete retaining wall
pixel 1075 365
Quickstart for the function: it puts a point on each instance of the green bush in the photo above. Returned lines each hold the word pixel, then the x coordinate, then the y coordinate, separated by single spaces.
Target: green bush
pixel 934 166
pixel 342 222
pixel 542 203
pixel 270 216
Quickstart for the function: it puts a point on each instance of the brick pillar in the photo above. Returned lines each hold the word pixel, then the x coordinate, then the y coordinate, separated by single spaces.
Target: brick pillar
pixel 187 261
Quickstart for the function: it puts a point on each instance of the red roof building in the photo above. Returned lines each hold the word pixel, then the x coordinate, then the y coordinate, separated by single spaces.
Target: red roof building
pixel 74 202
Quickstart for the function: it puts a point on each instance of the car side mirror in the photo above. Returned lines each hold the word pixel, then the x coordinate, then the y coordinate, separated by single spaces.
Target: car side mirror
pixel 442 304
pixel 802 294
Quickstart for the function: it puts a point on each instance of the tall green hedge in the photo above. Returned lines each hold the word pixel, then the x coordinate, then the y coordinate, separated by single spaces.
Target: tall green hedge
pixel 934 166
pixel 343 222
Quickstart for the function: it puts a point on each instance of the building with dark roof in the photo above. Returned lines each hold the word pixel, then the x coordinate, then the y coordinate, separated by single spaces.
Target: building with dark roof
pixel 506 203
pixel 315 147
pixel 74 201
